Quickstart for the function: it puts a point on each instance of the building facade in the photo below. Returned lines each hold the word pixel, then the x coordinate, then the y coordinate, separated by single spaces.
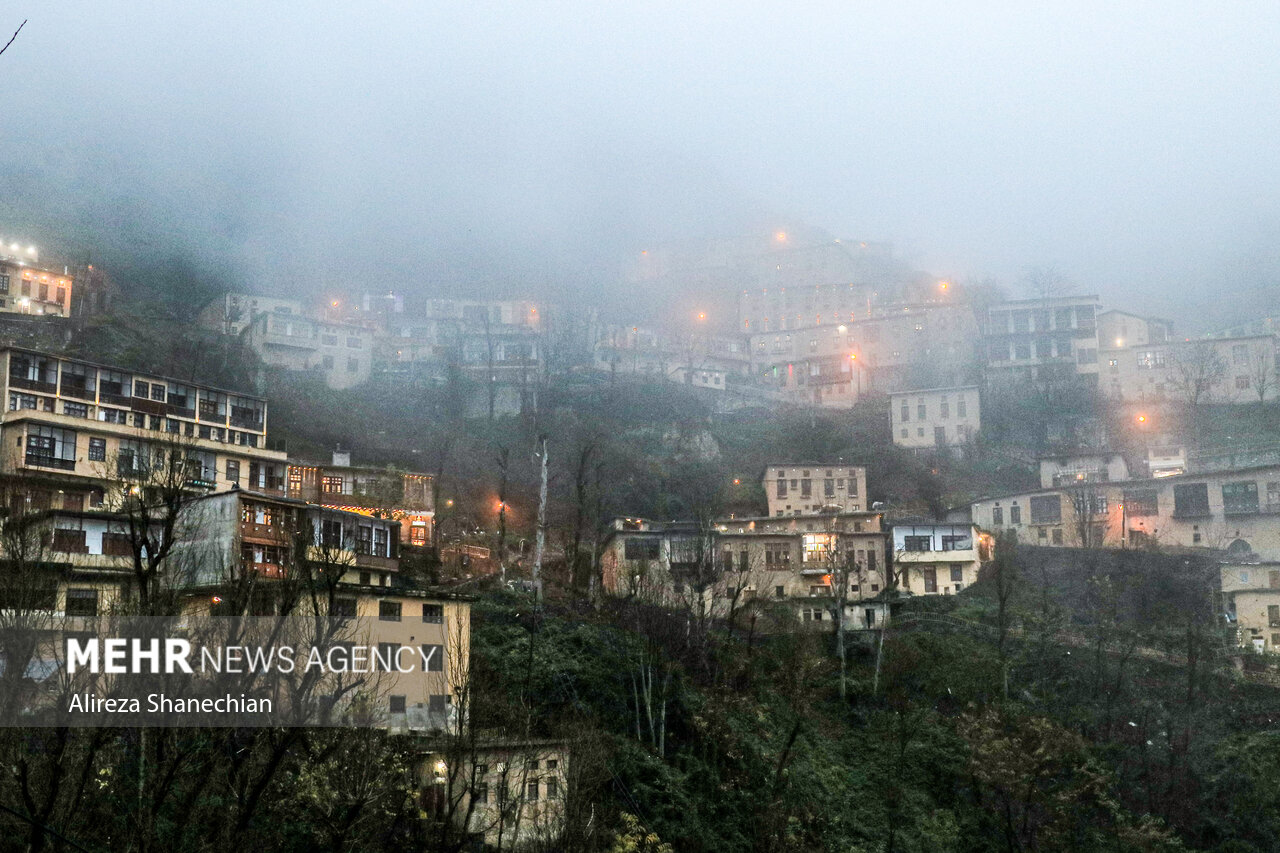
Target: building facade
pixel 813 487
pixel 26 289
pixel 404 496
pixel 1234 511
pixel 1051 339
pixel 341 354
pixel 73 429
pixel 935 418
pixel 938 559
pixel 1205 370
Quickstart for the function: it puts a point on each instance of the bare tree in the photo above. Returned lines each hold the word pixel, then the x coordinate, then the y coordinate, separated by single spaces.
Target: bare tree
pixel 1196 369
pixel 1262 373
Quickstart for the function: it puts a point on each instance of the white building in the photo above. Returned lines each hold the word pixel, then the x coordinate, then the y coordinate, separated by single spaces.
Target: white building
pixel 935 418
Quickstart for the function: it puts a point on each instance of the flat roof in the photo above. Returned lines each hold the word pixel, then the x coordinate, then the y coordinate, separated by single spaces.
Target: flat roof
pixel 935 390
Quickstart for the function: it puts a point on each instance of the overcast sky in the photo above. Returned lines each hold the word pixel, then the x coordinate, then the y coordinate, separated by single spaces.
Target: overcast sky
pixel 1132 146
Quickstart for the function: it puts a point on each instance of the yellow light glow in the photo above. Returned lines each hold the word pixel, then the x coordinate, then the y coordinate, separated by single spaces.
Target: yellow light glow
pixel 780 236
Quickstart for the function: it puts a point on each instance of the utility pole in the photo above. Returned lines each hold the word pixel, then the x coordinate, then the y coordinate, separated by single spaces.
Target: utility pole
pixel 540 540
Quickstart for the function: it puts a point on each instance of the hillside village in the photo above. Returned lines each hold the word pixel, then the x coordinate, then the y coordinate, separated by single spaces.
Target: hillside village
pixel 852 447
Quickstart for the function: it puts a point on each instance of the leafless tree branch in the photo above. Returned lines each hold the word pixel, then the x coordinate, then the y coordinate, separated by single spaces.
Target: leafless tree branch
pixel 14 36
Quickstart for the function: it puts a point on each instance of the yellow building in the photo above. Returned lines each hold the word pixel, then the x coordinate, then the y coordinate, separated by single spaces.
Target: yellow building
pixel 30 290
pixel 73 428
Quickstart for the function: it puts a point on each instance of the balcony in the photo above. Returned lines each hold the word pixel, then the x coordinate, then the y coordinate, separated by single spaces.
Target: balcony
pixel 41 461
pixel 383 564
pixel 78 392
pixel 33 384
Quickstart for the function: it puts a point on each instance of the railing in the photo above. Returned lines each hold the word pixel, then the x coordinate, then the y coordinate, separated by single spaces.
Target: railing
pixel 79 393
pixel 42 461
pixel 32 384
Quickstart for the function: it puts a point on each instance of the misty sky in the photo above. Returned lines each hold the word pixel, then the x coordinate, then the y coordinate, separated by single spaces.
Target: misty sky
pixel 518 146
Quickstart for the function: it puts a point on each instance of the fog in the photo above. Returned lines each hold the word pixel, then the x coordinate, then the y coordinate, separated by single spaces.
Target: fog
pixel 529 149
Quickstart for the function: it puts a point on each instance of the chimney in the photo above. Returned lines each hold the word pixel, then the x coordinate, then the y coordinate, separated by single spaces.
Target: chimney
pixel 341 458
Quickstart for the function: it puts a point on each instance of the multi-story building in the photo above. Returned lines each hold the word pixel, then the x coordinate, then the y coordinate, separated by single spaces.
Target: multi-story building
pixel 508 791
pixel 1251 599
pixel 1203 370
pixel 26 289
pixel 231 313
pixel 790 560
pixel 497 345
pixel 799 562
pixel 73 428
pixel 812 488
pixel 240 542
pixel 1048 339
pixel 923 345
pixel 932 558
pixel 404 496
pixel 341 354
pixel 1237 511
pixel 1085 467
pixel 1120 329
pixel 935 418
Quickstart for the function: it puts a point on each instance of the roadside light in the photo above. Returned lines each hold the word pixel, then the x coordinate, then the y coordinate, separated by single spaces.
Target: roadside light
pixel 737 481
pixel 448 503
pixel 702 315
pixel 334 303
pixel 1142 419
pixel 780 236
pixel 944 284
pixel 217 599
pixel 853 356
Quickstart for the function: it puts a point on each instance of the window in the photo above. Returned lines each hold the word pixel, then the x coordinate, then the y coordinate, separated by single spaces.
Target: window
pixel 82 602
pixel 51 447
pixel 1240 498
pixel 782 487
pixel 330 533
pixel 1242 383
pixel 944 409
pixel 918 543
pixel 354 343
pixel 997 517
pixel 4 282
pixel 806 488
pixel 960 408
pixel 75 410
pixel 779 592
pixel 1273 497
pixel 233 471
pixel 828 488
pixel 957 542
pixel 1191 500
pixel 21 401
pixel 1046 509
pixel 141 389
pixel 343 610
pixel 1057 536
pixel 433 614
pixel 397 705
pixel 327 362
pixel 906 413
pixel 331 485
pixel 1139 503
pixel 920 411
pixel 389 611
pixel 433 658
pixel 1240 354
pixel 482 791
pixel 552 786
pixel 642 549
pixel 353 365
pixel 97 449
pixel 930 580
pixel 1015 514
pixel 957 573
pixel 531 790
